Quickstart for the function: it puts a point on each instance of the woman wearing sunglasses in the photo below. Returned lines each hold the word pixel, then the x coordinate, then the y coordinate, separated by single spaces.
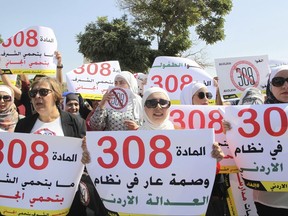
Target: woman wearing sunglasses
pixel 112 120
pixel 49 119
pixel 197 93
pixel 156 103
pixel 274 203
pixel 8 112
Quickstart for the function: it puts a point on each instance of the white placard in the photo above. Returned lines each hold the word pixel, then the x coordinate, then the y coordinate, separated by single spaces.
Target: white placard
pixel 257 140
pixel 199 117
pixel 173 73
pixel 39 174
pixel 237 74
pixel 153 172
pixel 92 80
pixel 29 51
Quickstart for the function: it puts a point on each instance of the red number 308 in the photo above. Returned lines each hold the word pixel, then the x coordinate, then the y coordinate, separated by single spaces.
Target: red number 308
pixel 19 144
pixel 141 151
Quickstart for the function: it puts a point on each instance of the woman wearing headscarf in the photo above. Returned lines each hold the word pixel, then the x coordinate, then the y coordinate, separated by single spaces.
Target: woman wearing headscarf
pixel 156 103
pixel 8 111
pixel 112 120
pixel 71 103
pixel 274 203
pixel 197 94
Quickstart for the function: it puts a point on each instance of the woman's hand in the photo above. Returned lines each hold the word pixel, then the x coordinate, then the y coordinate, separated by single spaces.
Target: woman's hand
pixel 217 152
pixel 131 125
pixel 226 126
pixel 85 154
pixel 106 97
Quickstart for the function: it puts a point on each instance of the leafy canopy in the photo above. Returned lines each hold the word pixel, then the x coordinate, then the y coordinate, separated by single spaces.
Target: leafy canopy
pixel 115 40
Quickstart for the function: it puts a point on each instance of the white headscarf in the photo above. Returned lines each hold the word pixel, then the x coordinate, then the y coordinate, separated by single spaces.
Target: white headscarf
pixel 188 92
pixel 148 124
pixel 133 86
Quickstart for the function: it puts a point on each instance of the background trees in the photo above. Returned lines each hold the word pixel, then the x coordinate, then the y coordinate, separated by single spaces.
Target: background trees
pixel 115 40
pixel 165 23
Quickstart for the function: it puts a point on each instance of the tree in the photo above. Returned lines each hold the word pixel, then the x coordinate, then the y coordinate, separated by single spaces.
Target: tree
pixel 115 40
pixel 169 21
pixel 1 40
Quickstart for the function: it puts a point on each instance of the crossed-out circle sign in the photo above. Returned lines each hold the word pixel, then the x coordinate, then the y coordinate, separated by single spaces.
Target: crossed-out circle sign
pixel 120 99
pixel 244 74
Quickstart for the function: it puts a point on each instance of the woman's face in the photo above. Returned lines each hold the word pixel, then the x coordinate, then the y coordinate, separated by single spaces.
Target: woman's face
pixel 197 100
pixel 44 100
pixel 72 106
pixel 281 93
pixel 120 82
pixel 158 114
pixel 5 101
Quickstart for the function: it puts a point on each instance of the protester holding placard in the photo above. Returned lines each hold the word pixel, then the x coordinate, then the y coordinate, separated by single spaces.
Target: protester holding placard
pixel 198 94
pixel 274 203
pixel 45 95
pixel 112 120
pixel 8 112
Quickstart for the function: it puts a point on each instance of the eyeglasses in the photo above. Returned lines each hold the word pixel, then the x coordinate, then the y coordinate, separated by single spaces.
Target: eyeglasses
pixel 42 92
pixel 153 103
pixel 208 95
pixel 279 81
pixel 6 98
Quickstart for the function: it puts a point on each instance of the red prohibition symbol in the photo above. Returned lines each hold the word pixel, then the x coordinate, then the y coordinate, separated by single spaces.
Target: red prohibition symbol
pixel 244 74
pixel 120 99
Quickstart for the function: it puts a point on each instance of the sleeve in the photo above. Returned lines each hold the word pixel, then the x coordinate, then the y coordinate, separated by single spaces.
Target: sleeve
pixel 98 119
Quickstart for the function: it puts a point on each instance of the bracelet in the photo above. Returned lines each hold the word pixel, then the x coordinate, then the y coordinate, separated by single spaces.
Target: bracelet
pixel 60 66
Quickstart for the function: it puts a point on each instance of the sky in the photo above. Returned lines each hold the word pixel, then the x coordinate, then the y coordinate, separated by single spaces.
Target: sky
pixel 252 28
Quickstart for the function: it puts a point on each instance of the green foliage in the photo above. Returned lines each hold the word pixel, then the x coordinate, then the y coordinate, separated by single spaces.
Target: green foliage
pixel 115 40
pixel 169 21
pixel 1 40
pixel 165 21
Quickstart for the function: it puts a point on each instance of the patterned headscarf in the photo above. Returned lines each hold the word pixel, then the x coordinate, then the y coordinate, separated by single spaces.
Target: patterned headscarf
pixel 10 116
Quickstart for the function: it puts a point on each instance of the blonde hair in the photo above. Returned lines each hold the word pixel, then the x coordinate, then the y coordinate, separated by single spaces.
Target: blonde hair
pixel 54 85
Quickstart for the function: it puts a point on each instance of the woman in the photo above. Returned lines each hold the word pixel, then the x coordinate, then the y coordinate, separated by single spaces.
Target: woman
pixel 49 119
pixel 156 103
pixel 195 94
pixel 112 120
pixel 71 103
pixel 198 94
pixel 8 112
pixel 274 203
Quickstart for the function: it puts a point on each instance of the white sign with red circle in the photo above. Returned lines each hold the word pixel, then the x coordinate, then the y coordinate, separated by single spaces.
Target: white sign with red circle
pixel 237 74
pixel 120 98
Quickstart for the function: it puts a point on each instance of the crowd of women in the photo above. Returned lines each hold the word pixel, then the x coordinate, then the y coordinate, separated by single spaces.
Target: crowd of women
pixel 51 115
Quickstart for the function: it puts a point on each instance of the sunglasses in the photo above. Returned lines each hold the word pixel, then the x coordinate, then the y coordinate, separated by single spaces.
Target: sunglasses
pixel 42 92
pixel 279 81
pixel 202 95
pixel 6 98
pixel 153 103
